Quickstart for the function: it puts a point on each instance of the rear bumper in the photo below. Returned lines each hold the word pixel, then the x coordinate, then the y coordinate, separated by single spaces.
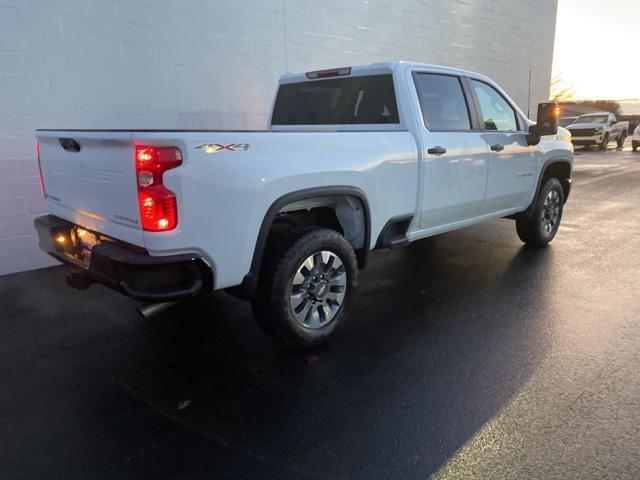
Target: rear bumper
pixel 126 268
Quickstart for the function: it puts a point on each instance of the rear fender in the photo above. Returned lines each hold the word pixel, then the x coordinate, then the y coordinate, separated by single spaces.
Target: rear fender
pixel 249 283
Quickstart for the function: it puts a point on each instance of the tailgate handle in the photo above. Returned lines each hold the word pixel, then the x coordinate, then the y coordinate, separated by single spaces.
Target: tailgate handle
pixel 69 144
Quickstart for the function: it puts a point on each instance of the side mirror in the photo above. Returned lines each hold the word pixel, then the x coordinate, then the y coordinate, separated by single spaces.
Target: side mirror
pixel 547 122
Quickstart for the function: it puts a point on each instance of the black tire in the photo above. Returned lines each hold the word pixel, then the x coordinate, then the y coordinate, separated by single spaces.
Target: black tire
pixel 532 225
pixel 621 139
pixel 275 249
pixel 634 146
pixel 272 304
pixel 605 142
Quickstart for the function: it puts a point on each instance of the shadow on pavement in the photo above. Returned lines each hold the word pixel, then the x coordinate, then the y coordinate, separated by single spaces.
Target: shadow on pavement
pixel 443 334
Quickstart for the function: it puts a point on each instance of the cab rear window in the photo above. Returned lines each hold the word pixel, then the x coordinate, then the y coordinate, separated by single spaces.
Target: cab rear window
pixel 337 101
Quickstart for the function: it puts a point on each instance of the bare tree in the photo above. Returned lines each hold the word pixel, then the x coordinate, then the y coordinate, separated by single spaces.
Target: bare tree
pixel 612 106
pixel 559 91
pixel 580 107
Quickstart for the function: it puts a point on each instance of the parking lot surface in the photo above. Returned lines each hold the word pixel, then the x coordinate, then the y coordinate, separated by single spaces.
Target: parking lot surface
pixel 467 355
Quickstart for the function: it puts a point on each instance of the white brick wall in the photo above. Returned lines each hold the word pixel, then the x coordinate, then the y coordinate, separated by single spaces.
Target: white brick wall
pixel 214 64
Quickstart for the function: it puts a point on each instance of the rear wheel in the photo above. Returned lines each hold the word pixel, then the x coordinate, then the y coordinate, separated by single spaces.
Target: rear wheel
pixel 304 291
pixel 605 142
pixel 539 225
pixel 621 139
pixel 635 146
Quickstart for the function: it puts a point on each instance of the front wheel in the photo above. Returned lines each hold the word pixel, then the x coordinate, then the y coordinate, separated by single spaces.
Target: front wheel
pixel 303 293
pixel 605 142
pixel 539 225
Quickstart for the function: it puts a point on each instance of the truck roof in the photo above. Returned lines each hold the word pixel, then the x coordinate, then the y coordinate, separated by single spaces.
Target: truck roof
pixel 386 67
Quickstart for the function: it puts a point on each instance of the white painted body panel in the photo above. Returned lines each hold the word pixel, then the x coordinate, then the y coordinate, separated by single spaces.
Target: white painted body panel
pixel 223 197
pixel 455 182
pixel 512 172
pixel 95 187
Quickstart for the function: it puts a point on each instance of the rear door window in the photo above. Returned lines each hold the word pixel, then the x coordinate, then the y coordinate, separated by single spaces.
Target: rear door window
pixel 442 100
pixel 337 101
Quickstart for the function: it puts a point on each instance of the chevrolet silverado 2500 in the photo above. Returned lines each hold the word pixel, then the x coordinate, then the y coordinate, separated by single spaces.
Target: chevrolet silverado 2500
pixel 356 158
pixel 598 129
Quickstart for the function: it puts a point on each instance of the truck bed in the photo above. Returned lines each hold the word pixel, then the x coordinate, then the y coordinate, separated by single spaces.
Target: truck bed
pixel 222 194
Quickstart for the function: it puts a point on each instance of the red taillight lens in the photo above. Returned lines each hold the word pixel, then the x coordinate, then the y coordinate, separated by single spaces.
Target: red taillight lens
pixel 158 208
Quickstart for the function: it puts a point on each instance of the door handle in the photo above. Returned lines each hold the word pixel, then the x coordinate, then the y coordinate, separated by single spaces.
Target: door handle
pixel 437 151
pixel 497 147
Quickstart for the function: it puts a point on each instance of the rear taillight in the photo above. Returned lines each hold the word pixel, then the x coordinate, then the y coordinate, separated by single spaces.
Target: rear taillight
pixel 158 208
pixel 44 192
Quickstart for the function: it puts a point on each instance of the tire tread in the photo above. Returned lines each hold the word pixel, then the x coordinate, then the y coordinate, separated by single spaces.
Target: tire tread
pixel 527 224
pixel 270 303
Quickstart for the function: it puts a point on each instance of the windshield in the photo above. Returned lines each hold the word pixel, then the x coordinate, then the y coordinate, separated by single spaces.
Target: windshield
pixel 593 119
pixel 563 122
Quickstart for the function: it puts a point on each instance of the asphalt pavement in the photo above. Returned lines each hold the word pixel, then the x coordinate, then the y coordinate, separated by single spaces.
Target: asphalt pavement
pixel 467 355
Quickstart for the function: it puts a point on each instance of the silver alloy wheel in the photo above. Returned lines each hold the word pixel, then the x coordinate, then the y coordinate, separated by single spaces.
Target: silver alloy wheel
pixel 318 289
pixel 550 212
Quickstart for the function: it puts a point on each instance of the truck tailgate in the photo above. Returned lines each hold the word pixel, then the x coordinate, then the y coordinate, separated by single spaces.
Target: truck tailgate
pixel 89 179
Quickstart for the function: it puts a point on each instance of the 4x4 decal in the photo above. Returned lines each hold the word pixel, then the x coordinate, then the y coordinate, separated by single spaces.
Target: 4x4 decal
pixel 219 147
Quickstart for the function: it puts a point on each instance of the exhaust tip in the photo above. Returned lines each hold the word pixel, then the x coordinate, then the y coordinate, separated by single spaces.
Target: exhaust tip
pixel 149 310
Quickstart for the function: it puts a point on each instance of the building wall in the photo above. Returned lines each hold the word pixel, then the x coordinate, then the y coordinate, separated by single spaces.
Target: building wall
pixel 212 64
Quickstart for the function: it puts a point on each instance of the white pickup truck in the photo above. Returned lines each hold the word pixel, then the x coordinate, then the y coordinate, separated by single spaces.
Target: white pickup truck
pixel 356 158
pixel 598 129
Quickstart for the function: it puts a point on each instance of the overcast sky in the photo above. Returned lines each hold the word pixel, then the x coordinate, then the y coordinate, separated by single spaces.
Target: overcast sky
pixel 597 49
